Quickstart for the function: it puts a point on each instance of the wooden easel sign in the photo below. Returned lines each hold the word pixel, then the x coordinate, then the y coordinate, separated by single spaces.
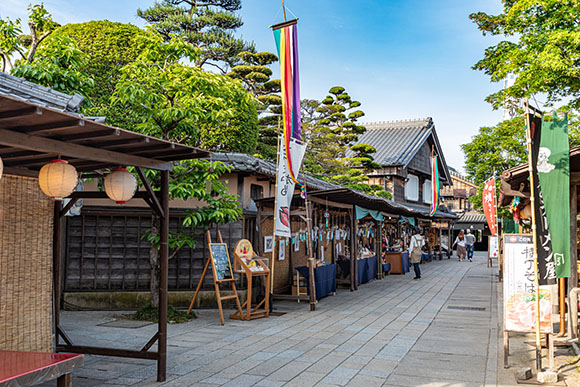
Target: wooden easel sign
pixel 222 273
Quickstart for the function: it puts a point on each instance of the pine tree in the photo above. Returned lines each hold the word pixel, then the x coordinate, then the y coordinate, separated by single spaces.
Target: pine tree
pixel 207 24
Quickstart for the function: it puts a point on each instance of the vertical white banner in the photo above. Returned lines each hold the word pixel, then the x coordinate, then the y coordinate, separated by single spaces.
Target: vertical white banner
pixel 285 186
pixel 519 291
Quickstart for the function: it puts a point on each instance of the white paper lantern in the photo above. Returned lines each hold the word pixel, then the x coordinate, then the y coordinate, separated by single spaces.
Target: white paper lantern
pixel 1 167
pixel 120 185
pixel 58 179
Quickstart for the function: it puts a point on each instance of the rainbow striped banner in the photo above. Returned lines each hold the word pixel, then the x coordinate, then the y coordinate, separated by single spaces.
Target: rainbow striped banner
pixel 286 38
pixel 434 186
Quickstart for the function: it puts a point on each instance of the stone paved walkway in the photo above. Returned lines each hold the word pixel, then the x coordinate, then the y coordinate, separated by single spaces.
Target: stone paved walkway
pixel 437 331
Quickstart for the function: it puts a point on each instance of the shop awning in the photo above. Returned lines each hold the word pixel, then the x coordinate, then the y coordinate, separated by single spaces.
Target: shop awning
pixel 363 212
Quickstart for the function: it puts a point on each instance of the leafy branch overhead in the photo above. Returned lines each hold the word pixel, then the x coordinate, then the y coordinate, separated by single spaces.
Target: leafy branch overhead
pixel 541 48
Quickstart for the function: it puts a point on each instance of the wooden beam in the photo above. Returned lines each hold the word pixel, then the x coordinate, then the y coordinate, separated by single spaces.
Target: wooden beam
pixel 87 135
pixel 154 201
pixel 59 125
pixel 46 145
pixel 20 171
pixel 317 199
pixel 17 112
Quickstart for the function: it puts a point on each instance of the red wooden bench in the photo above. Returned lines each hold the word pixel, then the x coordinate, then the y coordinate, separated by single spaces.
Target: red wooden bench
pixel 27 368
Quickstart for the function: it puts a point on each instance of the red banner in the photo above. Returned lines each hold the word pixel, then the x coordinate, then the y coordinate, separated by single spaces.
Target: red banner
pixel 489 205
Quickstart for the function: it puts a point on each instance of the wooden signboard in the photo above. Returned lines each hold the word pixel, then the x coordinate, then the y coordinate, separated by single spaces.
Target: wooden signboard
pixel 222 272
pixel 519 291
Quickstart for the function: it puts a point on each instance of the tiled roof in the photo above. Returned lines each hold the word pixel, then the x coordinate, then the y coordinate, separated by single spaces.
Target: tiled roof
pixel 396 142
pixel 38 95
pixel 242 162
pixel 472 217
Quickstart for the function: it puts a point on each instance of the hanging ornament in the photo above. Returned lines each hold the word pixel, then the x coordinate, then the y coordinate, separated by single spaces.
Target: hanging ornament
pixel 58 179
pixel 120 185
pixel 1 167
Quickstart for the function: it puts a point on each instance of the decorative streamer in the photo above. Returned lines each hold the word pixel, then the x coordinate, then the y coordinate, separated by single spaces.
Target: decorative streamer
pixel 434 186
pixel 286 37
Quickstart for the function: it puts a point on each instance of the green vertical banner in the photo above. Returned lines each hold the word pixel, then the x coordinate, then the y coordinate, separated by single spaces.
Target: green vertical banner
pixel 554 173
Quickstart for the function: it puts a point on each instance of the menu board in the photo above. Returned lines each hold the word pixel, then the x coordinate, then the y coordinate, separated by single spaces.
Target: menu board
pixel 220 260
pixel 519 288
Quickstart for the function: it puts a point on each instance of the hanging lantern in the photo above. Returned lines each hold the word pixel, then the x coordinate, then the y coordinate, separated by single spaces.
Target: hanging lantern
pixel 58 179
pixel 120 185
pixel 1 167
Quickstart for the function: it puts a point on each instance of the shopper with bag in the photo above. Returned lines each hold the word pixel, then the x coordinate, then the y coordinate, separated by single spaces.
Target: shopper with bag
pixel 415 251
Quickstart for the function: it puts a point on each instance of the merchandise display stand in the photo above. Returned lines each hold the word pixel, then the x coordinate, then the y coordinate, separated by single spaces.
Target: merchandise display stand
pixel 247 262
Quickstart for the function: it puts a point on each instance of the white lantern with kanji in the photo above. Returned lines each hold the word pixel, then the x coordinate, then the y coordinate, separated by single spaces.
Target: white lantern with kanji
pixel 120 185
pixel 58 179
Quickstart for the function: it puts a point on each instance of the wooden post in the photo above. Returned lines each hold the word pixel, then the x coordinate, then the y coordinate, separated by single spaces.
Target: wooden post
pixel 562 302
pixel 163 269
pixel 379 250
pixel 535 236
pixel 311 282
pixel 355 253
pixel 352 248
pixel 573 280
pixel 57 264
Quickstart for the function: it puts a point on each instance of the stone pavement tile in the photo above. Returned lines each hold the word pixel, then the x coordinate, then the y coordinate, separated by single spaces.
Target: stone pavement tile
pixel 413 381
pixel 262 356
pixel 381 365
pixel 328 363
pixel 244 381
pixel 269 366
pixel 187 380
pixel 377 374
pixel 289 371
pixel 372 348
pixel 433 370
pixel 269 383
pixel 447 360
pixel 184 368
pixel 366 381
pixel 348 347
pixel 215 380
pixel 340 376
pixel 305 379
pixel 121 380
pixel 356 362
pixel 290 354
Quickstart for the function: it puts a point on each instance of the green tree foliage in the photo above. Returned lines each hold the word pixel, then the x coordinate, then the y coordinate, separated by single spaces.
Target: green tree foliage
pixel 255 75
pixel 208 25
pixel 184 103
pixel 331 129
pixel 108 47
pixel 542 49
pixel 501 147
pixel 56 64
pixel 187 105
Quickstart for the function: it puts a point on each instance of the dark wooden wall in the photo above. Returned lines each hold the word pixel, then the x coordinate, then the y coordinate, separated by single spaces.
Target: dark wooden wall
pixel 105 250
pixel 421 161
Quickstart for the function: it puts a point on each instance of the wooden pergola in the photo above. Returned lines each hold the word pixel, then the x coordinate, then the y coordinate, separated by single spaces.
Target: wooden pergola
pixel 32 135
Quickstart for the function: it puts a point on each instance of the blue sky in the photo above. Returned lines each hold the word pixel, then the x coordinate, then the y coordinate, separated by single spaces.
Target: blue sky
pixel 402 59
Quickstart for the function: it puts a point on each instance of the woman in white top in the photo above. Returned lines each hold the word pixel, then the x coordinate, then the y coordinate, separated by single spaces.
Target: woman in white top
pixel 415 251
pixel 460 242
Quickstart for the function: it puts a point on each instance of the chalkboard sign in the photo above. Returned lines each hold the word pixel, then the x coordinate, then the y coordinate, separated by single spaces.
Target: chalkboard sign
pixel 220 260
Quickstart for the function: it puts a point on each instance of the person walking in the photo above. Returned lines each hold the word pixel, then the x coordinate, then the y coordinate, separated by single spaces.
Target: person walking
pixel 469 242
pixel 415 251
pixel 460 242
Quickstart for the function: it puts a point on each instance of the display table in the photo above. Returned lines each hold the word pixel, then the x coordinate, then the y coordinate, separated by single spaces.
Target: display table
pixel 28 368
pixel 399 262
pixel 386 267
pixel 324 279
pixel 425 257
pixel 366 269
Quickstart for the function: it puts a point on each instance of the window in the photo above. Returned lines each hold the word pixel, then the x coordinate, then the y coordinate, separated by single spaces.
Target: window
pixel 427 191
pixel 256 191
pixel 412 188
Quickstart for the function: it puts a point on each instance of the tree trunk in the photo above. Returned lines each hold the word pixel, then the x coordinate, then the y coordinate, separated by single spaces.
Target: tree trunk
pixel 154 263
